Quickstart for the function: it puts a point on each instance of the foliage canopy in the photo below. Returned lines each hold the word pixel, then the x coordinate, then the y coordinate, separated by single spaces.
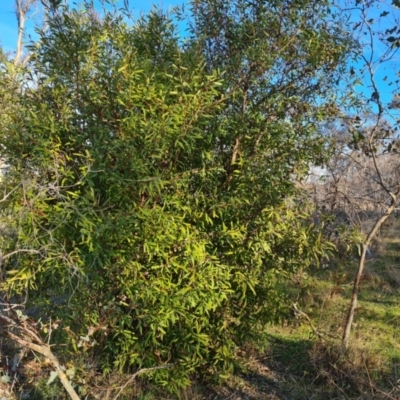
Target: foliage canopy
pixel 150 189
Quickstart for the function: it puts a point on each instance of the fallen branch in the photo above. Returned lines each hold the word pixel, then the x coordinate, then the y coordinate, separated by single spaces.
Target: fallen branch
pixel 40 347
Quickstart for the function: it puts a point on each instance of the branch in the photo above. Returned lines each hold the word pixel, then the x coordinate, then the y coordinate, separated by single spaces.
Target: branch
pixel 2 258
pixel 140 372
pixel 32 251
pixel 40 347
pixel 361 265
pixel 23 7
pixel 45 351
pixel 21 24
pixel 9 193
pixel 299 313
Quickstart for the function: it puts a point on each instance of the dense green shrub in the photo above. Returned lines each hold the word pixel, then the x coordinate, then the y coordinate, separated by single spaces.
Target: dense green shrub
pixel 151 182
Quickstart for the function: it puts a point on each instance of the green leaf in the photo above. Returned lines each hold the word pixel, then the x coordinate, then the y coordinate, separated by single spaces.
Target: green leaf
pixel 53 376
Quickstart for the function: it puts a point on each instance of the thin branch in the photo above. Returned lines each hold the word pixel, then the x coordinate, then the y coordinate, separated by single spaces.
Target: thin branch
pixel 140 372
pixel 299 313
pixel 22 9
pixel 5 197
pixel 32 251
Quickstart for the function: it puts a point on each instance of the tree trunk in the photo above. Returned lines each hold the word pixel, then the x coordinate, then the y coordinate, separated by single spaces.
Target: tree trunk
pixel 361 266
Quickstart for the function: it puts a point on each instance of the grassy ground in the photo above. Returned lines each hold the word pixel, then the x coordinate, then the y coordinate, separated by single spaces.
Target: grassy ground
pixel 298 364
pixel 303 358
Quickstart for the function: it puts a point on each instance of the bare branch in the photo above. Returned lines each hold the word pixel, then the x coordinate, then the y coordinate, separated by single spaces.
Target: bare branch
pixel 140 372
pixel 22 9
pixel 32 251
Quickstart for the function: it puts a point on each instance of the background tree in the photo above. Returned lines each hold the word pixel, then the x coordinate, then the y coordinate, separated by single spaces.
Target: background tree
pixel 23 7
pixel 361 181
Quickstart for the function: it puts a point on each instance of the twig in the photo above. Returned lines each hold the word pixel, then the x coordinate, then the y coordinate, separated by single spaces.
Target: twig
pixel 140 372
pixel 5 197
pixel 300 313
pixel 32 251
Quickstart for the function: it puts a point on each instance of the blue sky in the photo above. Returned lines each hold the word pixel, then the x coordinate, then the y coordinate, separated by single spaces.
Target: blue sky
pixel 8 25
pixel 385 64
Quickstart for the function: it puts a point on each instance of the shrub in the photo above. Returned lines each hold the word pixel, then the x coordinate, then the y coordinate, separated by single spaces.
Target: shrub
pixel 150 184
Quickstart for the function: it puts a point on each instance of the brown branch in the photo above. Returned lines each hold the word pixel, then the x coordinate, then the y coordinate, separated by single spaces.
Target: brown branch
pixel 5 197
pixel 376 98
